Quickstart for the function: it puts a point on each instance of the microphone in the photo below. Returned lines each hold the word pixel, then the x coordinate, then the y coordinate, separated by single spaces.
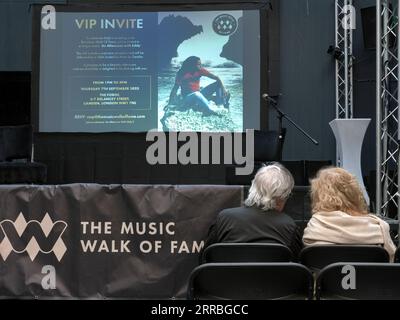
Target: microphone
pixel 266 97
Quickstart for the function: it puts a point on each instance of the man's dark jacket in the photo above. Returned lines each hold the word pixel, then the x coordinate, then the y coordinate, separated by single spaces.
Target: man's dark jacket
pixel 252 225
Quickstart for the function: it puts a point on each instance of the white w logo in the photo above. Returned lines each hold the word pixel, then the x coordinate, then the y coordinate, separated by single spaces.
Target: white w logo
pixel 32 237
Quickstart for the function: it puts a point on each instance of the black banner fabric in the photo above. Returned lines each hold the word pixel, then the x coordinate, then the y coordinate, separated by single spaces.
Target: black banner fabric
pixel 93 241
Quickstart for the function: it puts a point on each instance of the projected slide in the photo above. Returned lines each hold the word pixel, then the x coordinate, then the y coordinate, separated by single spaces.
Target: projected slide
pixel 134 72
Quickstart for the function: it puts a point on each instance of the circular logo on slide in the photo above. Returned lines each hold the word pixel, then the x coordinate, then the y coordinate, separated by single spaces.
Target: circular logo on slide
pixel 225 24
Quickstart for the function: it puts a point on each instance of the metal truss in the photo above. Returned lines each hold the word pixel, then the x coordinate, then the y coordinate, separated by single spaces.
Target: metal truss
pixel 344 60
pixel 387 109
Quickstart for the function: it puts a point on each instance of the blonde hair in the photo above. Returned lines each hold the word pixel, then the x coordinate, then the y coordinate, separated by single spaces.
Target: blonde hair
pixel 271 183
pixel 335 189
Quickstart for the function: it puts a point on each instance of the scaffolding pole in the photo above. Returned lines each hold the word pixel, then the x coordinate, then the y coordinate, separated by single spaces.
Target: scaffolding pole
pixel 344 63
pixel 387 109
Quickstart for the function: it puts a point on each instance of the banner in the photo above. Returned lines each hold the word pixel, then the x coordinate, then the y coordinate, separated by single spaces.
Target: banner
pixel 94 241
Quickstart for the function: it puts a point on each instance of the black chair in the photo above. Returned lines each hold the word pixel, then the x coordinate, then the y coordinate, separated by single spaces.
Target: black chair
pixel 372 281
pixel 311 168
pixel 296 168
pixel 266 149
pixel 16 157
pixel 250 281
pixel 397 256
pixel 318 257
pixel 246 252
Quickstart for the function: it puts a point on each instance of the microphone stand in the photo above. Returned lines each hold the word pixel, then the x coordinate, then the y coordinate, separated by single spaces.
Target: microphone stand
pixel 282 132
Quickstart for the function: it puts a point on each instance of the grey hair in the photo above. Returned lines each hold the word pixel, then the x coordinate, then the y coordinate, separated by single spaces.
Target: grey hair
pixel 271 183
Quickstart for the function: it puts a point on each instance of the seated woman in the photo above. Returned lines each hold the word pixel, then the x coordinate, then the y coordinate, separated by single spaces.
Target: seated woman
pixel 188 79
pixel 340 214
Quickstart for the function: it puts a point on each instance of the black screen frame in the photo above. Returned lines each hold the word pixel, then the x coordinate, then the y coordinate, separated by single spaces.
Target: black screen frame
pixel 264 7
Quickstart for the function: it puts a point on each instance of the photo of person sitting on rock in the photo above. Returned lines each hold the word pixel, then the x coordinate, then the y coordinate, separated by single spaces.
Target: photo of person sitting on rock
pixel 192 95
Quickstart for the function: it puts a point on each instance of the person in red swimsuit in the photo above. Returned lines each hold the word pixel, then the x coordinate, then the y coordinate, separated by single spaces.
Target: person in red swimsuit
pixel 188 79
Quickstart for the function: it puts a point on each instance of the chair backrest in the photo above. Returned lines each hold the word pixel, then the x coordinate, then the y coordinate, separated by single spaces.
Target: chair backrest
pixel 367 281
pixel 246 252
pixel 266 146
pixel 16 142
pixel 250 281
pixel 318 257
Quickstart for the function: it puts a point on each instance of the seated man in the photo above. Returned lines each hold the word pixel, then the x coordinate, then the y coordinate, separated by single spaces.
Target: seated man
pixel 262 218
